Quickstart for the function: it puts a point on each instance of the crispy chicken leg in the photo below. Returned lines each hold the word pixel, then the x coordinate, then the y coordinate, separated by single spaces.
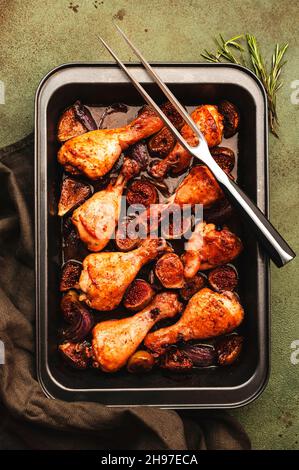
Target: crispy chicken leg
pixel 209 247
pixel 94 153
pixel 97 217
pixel 106 276
pixel 114 341
pixel 199 187
pixel 210 122
pixel 207 314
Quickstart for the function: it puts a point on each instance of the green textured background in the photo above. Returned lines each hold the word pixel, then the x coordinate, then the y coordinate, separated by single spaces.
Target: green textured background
pixel 36 36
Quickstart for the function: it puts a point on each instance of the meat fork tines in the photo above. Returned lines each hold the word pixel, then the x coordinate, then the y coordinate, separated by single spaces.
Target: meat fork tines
pixel 276 246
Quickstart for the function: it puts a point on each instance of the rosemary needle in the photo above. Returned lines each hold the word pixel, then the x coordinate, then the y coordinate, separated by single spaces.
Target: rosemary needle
pixel 232 50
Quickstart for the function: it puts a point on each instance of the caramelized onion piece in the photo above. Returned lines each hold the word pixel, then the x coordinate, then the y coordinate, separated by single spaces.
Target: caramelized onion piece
pixel 142 192
pixel 77 315
pixel 225 158
pixel 139 153
pixel 138 296
pixel 223 278
pixel 201 355
pixel 70 275
pixel 140 362
pixel 231 118
pixel 77 355
pixel 228 349
pixel 192 286
pixel 73 193
pixel 170 271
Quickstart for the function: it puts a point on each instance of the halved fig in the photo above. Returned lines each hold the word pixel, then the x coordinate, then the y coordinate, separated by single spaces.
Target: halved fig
pixel 73 193
pixel 223 278
pixel 192 286
pixel 225 158
pixel 75 121
pixel 173 115
pixel 231 117
pixel 228 349
pixel 174 225
pixel 80 319
pixel 77 355
pixel 161 144
pixel 140 362
pixel 142 192
pixel 70 275
pixel 123 240
pixel 176 360
pixel 138 296
pixel 169 270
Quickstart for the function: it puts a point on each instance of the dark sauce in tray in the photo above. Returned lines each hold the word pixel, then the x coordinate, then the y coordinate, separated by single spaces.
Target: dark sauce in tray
pixel 114 116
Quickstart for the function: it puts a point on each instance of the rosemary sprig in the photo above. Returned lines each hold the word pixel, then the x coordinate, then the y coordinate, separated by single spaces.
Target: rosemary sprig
pixel 232 50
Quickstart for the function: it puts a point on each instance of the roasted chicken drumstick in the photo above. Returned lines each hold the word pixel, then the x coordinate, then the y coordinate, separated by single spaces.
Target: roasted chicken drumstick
pixel 207 314
pixel 209 247
pixel 114 341
pixel 210 122
pixel 96 219
pixel 94 153
pixel 106 276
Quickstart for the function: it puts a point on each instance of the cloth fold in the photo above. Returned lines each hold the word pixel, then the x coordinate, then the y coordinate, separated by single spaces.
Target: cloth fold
pixel 27 418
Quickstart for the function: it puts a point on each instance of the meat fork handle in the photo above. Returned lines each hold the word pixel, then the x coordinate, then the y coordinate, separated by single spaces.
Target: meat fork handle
pixel 278 249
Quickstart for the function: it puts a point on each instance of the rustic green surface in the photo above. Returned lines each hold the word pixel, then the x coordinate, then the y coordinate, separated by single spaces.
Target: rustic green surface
pixel 36 36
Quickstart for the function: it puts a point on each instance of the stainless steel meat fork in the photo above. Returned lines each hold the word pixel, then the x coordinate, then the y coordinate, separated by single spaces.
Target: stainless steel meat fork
pixel 277 248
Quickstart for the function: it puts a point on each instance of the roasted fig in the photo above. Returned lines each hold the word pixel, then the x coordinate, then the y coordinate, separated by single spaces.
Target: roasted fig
pixel 140 362
pixel 138 296
pixel 70 275
pixel 173 115
pixel 142 192
pixel 225 158
pixel 223 278
pixel 228 349
pixel 170 271
pixel 176 360
pixel 174 225
pixel 231 117
pixel 75 121
pixel 123 240
pixel 192 286
pixel 77 315
pixel 77 355
pixel 161 144
pixel 201 355
pixel 73 193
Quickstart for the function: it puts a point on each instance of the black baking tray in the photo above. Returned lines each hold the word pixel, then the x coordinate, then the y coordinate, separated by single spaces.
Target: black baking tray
pixel 103 84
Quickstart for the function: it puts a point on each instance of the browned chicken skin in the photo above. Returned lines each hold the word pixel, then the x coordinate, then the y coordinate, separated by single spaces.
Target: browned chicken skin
pixel 210 122
pixel 106 276
pixel 114 341
pixel 199 187
pixel 94 153
pixel 207 314
pixel 209 247
pixel 96 219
